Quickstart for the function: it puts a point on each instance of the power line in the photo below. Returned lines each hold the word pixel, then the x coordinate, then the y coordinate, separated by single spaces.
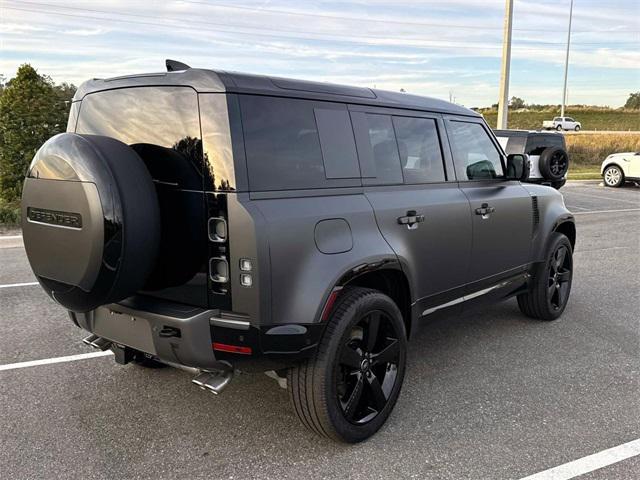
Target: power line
pixel 375 20
pixel 278 32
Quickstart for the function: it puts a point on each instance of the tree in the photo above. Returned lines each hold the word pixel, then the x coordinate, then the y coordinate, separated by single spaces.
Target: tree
pixel 32 109
pixel 633 101
pixel 516 103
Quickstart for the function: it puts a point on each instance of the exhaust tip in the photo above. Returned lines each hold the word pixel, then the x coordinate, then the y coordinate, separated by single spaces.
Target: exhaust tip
pixel 214 382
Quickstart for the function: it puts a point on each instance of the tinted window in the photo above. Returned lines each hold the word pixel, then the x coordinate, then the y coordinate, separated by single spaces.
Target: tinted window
pixel 216 139
pixel 377 148
pixel 160 123
pixel 283 145
pixel 537 143
pixel 474 154
pixel 337 143
pixel 419 148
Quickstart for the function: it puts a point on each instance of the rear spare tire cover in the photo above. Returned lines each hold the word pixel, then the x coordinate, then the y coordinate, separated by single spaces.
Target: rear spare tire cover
pixel 553 163
pixel 90 220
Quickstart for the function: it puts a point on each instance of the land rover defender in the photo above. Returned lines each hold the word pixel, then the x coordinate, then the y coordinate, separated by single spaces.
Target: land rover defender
pixel 217 221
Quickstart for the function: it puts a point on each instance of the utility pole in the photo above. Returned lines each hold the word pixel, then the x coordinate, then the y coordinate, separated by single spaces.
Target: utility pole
pixel 566 62
pixel 503 102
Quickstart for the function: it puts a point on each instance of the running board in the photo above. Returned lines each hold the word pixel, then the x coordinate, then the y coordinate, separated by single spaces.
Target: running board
pixel 97 342
pixel 214 382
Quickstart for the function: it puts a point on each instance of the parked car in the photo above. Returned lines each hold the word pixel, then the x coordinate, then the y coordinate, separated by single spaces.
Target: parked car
pixel 618 168
pixel 215 221
pixel 562 123
pixel 547 153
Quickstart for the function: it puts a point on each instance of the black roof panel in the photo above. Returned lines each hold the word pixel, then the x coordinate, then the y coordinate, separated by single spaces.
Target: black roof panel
pixel 217 81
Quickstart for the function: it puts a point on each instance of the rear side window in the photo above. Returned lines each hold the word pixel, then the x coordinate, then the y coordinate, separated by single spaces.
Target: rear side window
pixel 283 144
pixel 419 148
pixel 377 148
pixel 474 154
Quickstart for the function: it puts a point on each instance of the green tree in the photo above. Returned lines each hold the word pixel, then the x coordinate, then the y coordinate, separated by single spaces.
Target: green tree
pixel 516 103
pixel 633 101
pixel 32 109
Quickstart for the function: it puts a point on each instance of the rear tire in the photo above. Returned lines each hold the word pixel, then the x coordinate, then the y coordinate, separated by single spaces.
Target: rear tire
pixel 551 282
pixel 554 163
pixel 348 389
pixel 559 128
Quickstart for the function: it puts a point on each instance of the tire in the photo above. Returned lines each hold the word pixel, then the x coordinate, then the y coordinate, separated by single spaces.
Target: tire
pixel 559 128
pixel 551 282
pixel 577 129
pixel 90 220
pixel 347 390
pixel 613 176
pixel 554 163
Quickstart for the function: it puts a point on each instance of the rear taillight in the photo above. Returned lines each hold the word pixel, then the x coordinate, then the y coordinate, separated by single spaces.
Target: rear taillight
pixel 218 230
pixel 219 270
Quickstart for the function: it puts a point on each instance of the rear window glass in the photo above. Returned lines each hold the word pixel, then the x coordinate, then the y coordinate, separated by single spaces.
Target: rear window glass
pixel 283 145
pixel 537 143
pixel 419 148
pixel 160 123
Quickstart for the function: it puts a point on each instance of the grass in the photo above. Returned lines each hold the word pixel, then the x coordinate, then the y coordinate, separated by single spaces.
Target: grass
pixel 591 119
pixel 592 149
pixel 584 172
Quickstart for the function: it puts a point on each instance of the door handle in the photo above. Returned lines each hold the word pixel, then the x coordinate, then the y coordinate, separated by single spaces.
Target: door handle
pixel 411 220
pixel 485 210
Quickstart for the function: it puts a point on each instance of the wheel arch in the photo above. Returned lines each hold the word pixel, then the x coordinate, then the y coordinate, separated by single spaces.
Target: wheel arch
pixel 614 164
pixel 568 229
pixel 387 277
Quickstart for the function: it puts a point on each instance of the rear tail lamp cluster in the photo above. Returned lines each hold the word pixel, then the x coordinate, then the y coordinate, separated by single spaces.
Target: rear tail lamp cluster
pixel 219 269
pixel 217 230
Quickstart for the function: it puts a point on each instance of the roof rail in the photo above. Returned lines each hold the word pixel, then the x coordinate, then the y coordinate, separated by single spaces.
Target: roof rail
pixel 174 65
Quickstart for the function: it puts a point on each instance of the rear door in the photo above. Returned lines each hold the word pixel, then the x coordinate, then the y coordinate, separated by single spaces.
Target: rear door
pixel 409 180
pixel 501 210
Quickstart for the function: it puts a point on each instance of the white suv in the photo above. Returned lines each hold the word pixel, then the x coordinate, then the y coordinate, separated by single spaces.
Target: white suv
pixel 620 167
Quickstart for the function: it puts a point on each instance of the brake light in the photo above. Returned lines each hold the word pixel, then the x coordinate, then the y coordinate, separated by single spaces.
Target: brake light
pixel 223 347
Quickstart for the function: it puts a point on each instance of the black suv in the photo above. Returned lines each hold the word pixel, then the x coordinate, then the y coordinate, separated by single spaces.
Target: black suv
pixel 215 221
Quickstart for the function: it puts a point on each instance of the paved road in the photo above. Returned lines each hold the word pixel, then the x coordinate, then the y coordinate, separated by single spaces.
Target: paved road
pixel 488 395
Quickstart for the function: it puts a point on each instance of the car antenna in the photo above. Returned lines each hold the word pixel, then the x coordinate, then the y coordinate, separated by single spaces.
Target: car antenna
pixel 174 65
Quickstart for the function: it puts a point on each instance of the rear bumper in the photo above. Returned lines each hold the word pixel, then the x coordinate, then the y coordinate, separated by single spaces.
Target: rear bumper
pixel 199 338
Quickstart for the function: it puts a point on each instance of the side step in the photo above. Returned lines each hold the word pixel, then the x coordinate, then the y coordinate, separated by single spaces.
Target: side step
pixel 214 382
pixel 97 342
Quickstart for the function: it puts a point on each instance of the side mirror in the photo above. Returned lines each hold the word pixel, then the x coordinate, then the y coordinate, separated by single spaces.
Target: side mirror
pixel 518 166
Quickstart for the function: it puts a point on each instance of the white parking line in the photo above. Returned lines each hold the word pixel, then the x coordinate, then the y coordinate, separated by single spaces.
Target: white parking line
pixel 608 211
pixel 49 361
pixel 10 237
pixel 13 285
pixel 590 463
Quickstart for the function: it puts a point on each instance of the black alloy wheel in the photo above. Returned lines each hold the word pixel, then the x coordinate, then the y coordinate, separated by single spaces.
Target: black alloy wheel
pixel 550 281
pixel 348 388
pixel 559 164
pixel 368 368
pixel 559 277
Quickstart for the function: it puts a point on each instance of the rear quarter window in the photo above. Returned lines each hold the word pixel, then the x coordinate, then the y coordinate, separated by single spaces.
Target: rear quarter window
pixel 295 144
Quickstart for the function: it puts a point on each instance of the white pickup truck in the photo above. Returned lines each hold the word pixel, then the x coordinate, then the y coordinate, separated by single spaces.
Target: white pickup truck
pixel 562 123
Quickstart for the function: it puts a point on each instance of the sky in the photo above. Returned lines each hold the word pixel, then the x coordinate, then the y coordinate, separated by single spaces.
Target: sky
pixel 444 49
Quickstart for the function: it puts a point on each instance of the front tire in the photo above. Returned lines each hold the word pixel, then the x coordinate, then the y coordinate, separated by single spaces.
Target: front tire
pixel 613 176
pixel 577 128
pixel 551 282
pixel 348 389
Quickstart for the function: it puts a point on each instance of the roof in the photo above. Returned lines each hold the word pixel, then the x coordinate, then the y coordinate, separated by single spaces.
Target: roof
pixel 217 81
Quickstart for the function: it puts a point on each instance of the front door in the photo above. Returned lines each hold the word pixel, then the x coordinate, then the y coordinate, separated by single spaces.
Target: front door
pixel 423 216
pixel 501 210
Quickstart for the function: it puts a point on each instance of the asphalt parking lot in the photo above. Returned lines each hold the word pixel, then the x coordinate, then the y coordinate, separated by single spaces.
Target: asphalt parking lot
pixel 488 395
